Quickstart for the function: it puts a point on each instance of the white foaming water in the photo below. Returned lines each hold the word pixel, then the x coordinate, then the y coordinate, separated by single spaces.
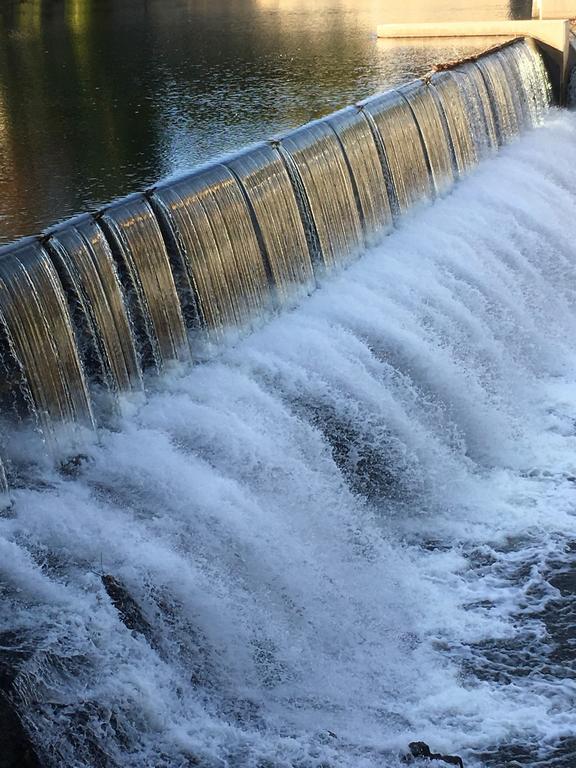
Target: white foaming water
pixel 347 523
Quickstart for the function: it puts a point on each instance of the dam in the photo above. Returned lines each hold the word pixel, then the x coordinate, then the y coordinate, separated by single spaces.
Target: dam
pixel 90 307
pixel 288 445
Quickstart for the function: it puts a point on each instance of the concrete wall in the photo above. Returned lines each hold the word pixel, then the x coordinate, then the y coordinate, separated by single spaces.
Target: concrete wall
pixel 554 9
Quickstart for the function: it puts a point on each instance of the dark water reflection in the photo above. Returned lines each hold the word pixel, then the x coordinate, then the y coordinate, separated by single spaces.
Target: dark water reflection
pixel 101 97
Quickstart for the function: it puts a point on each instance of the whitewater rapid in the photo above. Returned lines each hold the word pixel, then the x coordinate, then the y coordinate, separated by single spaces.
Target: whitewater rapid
pixel 343 533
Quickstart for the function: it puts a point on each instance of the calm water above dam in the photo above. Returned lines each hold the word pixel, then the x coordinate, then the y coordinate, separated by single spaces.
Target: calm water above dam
pixel 102 97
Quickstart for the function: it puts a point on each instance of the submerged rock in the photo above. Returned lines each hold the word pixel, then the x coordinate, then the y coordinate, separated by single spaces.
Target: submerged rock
pixel 130 612
pixel 72 466
pixel 419 749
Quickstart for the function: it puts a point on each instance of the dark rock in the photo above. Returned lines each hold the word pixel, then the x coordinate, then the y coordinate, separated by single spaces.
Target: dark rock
pixel 16 747
pixel 71 467
pixel 130 612
pixel 419 749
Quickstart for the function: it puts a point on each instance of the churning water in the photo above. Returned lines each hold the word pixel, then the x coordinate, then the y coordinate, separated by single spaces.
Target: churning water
pixel 354 528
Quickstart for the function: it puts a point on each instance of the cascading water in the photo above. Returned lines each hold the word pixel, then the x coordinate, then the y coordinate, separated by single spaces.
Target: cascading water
pixel 40 352
pixel 320 162
pixel 347 531
pixel 433 129
pixel 161 277
pixel 149 286
pixel 465 147
pixel 267 185
pixel 479 115
pixel 403 147
pixel 83 259
pixel 216 241
pixel 366 171
pixel 502 90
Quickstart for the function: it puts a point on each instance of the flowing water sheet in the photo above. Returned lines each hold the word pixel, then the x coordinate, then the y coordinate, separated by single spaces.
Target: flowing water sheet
pixel 366 170
pixel 460 120
pixel 396 127
pixel 86 267
pixel 318 158
pixel 273 200
pixel 134 231
pixel 222 270
pixel 433 127
pixel 39 353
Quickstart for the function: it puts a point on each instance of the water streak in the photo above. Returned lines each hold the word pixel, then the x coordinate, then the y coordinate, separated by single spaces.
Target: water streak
pixel 139 247
pixel 267 184
pixel 321 164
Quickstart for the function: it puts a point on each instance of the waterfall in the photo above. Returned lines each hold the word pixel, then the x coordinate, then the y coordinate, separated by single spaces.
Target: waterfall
pixel 404 149
pixel 320 162
pixel 83 259
pixel 479 114
pixel 366 171
pixel 466 144
pixel 41 349
pixel 433 129
pixel 97 304
pixel 149 287
pixel 266 182
pixel 214 238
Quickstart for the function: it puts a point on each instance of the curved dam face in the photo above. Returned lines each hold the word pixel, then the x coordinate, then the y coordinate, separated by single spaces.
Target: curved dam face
pixel 93 305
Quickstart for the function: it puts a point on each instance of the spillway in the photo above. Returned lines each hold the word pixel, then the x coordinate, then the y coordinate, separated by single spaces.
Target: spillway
pixel 346 530
pixel 163 277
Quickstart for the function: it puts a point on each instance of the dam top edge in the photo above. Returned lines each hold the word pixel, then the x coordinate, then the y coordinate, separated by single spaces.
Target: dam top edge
pixel 22 244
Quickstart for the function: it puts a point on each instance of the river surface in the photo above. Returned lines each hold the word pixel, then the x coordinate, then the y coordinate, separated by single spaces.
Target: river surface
pixel 99 98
